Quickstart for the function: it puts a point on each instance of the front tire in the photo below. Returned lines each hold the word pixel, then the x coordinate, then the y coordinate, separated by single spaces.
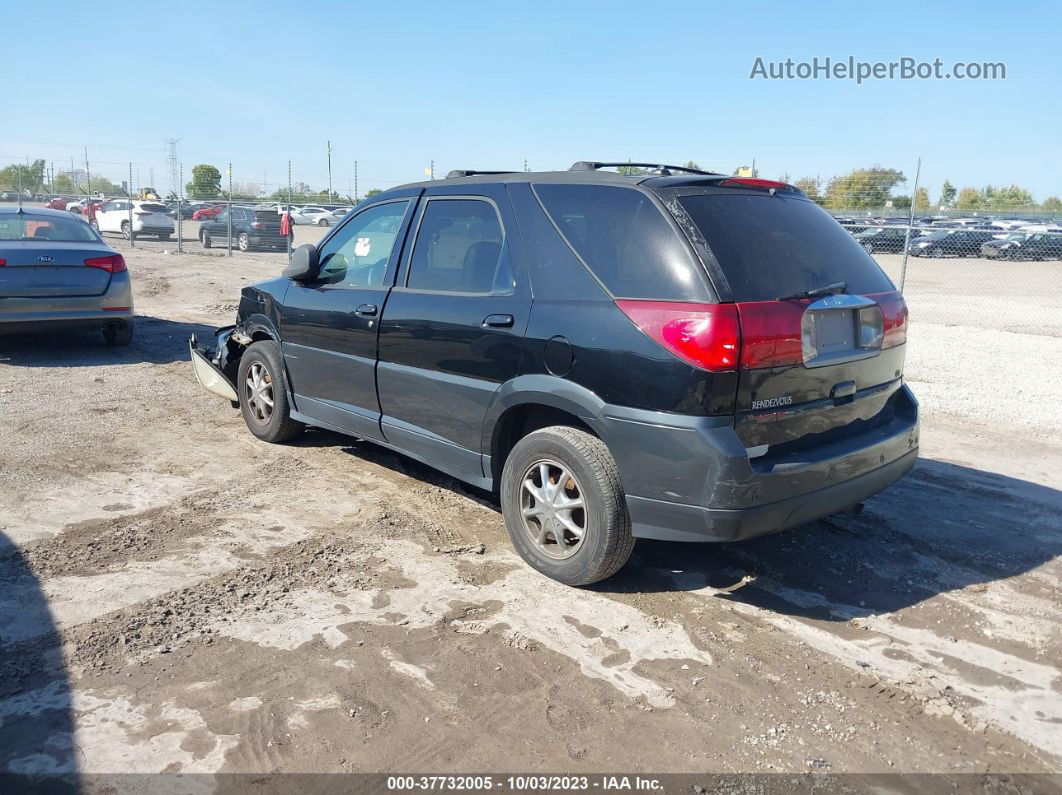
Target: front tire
pixel 564 506
pixel 263 390
pixel 323 222
pixel 127 232
pixel 204 238
pixel 243 242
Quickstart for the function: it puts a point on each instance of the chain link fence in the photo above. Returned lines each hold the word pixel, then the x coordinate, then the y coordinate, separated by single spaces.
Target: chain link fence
pixel 962 255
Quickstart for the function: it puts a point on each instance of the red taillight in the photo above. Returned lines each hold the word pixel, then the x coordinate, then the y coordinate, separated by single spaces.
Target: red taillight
pixel 3 262
pixel 771 333
pixel 894 315
pixel 704 335
pixel 257 225
pixel 752 182
pixel 112 264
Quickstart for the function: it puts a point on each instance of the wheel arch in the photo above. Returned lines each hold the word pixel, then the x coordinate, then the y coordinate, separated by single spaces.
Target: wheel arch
pixel 531 402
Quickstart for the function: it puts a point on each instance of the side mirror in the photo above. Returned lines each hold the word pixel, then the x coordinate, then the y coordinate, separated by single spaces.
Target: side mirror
pixel 304 264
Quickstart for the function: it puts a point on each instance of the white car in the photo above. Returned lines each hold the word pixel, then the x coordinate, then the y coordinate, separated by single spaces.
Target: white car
pixel 77 207
pixel 317 216
pixel 147 218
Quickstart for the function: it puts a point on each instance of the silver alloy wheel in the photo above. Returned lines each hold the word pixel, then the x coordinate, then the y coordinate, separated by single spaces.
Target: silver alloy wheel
pixel 552 509
pixel 259 392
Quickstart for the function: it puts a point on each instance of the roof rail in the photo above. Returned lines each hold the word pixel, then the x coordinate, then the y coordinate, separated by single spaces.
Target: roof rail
pixel 591 165
pixel 468 172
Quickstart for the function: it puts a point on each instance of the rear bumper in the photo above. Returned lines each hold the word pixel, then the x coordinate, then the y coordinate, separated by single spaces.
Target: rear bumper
pixel 671 521
pixel 22 315
pixel 691 479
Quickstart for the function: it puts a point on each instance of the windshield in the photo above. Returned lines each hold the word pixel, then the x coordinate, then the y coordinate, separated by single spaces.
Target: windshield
pixel 770 246
pixel 45 228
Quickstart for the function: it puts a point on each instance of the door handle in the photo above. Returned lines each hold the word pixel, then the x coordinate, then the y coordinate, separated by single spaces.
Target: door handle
pixel 366 310
pixel 498 321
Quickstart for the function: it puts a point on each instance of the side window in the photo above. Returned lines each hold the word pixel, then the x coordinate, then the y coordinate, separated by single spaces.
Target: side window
pixel 356 256
pixel 460 248
pixel 625 240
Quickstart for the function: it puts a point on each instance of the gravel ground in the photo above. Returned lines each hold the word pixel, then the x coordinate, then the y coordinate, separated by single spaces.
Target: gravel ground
pixel 177 596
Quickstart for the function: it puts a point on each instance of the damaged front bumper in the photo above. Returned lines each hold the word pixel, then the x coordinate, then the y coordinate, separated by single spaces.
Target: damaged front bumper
pixel 210 366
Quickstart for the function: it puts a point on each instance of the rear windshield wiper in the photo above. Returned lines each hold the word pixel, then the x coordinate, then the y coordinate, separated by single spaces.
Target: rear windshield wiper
pixel 818 292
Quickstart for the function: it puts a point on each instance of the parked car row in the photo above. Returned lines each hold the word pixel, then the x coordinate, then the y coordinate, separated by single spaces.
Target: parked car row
pixel 1014 239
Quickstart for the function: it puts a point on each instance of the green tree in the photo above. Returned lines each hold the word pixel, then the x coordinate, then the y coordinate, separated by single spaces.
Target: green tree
pixel 969 199
pixel 206 182
pixel 1052 204
pixel 693 164
pixel 372 192
pixel 1004 198
pixel 27 177
pixel 947 194
pixel 812 187
pixel 630 170
pixel 901 202
pixel 863 188
pixel 921 199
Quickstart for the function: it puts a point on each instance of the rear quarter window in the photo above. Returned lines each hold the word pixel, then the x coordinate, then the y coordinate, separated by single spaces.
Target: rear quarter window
pixel 774 246
pixel 626 241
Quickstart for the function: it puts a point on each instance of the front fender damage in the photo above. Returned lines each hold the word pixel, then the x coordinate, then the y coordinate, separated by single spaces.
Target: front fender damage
pixel 216 368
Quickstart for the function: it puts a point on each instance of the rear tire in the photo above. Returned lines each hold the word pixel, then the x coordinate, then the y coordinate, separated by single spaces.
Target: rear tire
pixel 322 222
pixel 127 232
pixel 204 238
pixel 936 253
pixel 118 336
pixel 263 390
pixel 164 237
pixel 547 472
pixel 243 242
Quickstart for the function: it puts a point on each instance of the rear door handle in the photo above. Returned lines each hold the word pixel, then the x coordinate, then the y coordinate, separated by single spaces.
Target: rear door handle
pixel 498 321
pixel 366 310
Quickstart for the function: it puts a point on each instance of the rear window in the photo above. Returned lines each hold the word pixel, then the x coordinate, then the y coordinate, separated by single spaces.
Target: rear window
pixel 773 246
pixel 44 228
pixel 154 208
pixel 626 241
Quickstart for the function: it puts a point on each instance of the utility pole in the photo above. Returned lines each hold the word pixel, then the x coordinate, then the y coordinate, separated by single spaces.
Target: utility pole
pixel 525 165
pixel 88 176
pixel 355 180
pixel 175 169
pixel 910 223
pixel 431 170
pixel 329 171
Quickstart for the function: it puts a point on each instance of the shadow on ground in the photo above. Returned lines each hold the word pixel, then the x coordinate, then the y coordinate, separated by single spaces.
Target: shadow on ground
pixel 155 340
pixel 942 528
pixel 37 752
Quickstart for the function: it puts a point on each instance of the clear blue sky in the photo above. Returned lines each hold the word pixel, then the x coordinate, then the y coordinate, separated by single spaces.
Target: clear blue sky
pixel 486 85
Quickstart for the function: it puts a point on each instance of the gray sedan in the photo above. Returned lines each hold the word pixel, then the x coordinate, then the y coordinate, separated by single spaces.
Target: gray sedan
pixel 57 273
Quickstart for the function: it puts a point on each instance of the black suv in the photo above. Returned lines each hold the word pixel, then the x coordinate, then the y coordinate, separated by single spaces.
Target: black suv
pixel 251 229
pixel 675 355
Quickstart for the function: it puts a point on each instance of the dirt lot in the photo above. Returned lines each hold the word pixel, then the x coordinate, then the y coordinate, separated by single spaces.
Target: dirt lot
pixel 177 596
